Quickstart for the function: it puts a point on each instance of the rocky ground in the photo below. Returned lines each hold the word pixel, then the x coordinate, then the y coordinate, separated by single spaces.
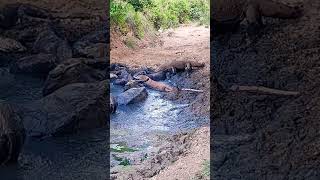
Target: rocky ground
pixel 185 155
pixel 261 136
pixel 53 63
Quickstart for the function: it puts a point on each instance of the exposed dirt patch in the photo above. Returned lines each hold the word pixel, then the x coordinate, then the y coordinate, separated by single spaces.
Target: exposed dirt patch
pixel 259 136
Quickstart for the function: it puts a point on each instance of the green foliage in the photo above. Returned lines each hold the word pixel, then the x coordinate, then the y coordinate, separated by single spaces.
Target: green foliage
pixel 122 149
pixel 125 162
pixel 140 16
pixel 206 169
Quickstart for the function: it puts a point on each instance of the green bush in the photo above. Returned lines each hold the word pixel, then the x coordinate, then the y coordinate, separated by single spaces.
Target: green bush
pixel 139 15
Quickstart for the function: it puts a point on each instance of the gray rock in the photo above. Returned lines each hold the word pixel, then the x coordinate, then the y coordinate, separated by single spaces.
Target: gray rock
pixel 74 71
pixel 36 64
pixel 94 45
pixel 132 95
pixel 73 108
pixel 113 104
pixel 49 43
pixel 8 45
pixel 12 134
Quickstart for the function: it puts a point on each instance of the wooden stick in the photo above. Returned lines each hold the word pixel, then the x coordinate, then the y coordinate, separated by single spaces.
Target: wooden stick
pixel 261 89
pixel 193 90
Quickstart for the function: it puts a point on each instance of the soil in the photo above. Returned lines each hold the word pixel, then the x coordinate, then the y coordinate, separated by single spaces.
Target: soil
pixel 179 156
pixel 260 136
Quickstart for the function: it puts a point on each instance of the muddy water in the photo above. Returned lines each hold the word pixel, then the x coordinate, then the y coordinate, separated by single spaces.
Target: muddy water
pixel 136 125
pixel 79 156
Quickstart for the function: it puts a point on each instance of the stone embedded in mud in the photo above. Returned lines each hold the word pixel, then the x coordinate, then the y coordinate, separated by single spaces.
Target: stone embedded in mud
pixel 132 95
pixel 75 70
pixel 94 45
pixel 75 107
pixel 37 64
pixel 49 43
pixel 12 134
pixel 8 45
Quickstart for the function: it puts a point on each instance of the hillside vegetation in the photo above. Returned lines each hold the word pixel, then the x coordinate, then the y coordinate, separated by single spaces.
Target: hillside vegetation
pixel 142 16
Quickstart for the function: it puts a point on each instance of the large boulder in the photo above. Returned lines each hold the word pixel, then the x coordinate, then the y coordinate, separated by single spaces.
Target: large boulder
pixel 132 95
pixel 93 45
pixel 36 64
pixel 18 13
pixel 49 43
pixel 71 109
pixel 8 45
pixel 12 134
pixel 8 15
pixel 75 71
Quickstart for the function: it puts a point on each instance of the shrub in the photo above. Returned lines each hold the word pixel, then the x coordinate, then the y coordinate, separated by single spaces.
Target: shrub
pixel 139 15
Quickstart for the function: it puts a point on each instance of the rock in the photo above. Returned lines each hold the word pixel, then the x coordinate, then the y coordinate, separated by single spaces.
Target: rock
pixel 158 76
pixel 113 104
pixel 73 71
pixel 18 13
pixel 73 108
pixel 12 134
pixel 6 79
pixel 123 77
pixel 36 64
pixel 49 43
pixel 8 16
pixel 8 45
pixel 75 26
pixel 132 84
pixel 94 45
pixel 113 76
pixel 31 14
pixel 132 95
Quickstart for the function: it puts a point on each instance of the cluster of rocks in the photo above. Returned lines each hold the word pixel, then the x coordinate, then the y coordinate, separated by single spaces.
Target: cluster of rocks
pixel 38 42
pixel 134 89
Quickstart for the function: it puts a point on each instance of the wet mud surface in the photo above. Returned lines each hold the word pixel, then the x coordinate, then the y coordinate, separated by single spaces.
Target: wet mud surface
pixel 260 136
pixel 137 125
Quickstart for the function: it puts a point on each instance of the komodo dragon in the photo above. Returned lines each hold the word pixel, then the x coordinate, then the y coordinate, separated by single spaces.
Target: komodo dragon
pixel 228 14
pixel 161 86
pixel 175 66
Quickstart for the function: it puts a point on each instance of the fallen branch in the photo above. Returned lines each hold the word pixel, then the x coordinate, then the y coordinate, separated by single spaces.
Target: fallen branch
pixel 261 89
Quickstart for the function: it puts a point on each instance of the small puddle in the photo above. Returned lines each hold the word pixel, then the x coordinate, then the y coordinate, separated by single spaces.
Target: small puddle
pixel 135 125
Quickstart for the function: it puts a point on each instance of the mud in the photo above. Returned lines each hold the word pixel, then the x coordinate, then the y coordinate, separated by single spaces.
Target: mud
pixel 259 136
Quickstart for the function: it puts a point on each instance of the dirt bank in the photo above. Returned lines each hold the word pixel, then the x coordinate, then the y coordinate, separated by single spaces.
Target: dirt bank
pixel 259 136
pixel 182 156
